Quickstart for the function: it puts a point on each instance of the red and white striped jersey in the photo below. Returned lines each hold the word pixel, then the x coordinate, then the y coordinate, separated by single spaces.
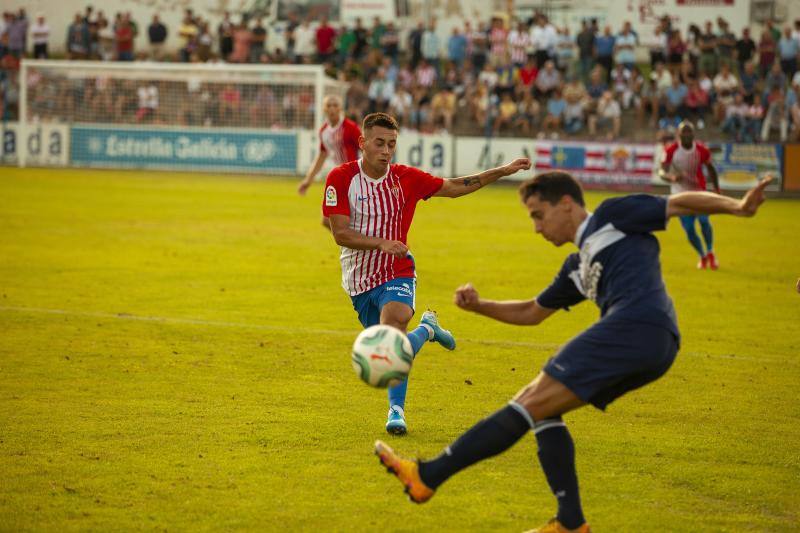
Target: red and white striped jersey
pixel 689 162
pixel 382 207
pixel 341 141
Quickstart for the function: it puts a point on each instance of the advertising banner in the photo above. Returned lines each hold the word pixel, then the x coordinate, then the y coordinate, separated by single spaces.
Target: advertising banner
pixel 740 166
pixel 610 165
pixel 431 153
pixel 476 154
pixel 184 148
pixel 43 144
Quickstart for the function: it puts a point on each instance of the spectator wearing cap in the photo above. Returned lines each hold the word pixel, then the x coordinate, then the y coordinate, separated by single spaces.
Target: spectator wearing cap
pixel 40 35
pixel 157 34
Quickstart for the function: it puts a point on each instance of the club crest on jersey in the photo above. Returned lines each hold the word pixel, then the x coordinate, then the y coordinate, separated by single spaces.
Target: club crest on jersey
pixel 330 196
pixel 396 191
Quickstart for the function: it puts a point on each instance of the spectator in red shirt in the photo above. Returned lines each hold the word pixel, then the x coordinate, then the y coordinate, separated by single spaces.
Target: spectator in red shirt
pixel 528 72
pixel 123 36
pixel 326 36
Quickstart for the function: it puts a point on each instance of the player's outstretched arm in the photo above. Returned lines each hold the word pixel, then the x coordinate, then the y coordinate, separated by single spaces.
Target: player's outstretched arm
pixel 455 187
pixel 707 203
pixel 350 238
pixel 518 312
pixel 309 178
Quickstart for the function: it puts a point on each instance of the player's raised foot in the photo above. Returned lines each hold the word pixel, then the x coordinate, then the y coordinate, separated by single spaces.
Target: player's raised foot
pixel 406 470
pixel 554 526
pixel 440 335
pixel 396 422
pixel 712 261
pixel 703 263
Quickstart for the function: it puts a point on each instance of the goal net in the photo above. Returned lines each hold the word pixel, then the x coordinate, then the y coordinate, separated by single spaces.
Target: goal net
pixel 208 117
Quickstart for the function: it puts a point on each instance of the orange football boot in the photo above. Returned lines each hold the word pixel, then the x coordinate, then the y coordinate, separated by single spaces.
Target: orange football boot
pixel 406 470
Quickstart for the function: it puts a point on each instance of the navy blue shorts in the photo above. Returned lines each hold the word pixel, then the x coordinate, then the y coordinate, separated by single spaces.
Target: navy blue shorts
pixel 368 304
pixel 612 357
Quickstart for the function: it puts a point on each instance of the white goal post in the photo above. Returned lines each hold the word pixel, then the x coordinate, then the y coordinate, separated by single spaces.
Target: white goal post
pixel 191 116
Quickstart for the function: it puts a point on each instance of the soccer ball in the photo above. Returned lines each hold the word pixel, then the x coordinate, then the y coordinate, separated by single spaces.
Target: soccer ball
pixel 382 356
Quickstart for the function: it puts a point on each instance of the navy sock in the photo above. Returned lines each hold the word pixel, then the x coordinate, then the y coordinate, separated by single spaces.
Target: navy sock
pixel 557 457
pixel 490 436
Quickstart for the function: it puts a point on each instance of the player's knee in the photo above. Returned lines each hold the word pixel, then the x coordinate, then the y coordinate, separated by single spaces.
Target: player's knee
pixel 533 399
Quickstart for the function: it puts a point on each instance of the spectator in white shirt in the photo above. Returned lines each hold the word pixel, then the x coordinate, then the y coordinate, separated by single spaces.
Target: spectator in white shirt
pixel 40 34
pixel 305 41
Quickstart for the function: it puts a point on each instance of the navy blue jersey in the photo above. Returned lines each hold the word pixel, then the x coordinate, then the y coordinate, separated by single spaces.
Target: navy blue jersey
pixel 617 265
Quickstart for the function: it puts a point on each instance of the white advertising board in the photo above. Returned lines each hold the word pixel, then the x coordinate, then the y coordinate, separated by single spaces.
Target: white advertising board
pixel 42 144
pixel 476 154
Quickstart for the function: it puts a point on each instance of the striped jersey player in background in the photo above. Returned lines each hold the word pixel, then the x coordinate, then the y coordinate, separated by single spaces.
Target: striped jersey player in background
pixel 338 138
pixel 682 167
pixel 370 203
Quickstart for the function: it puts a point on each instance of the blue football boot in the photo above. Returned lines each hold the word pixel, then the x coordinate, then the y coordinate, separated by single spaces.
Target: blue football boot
pixel 440 335
pixel 396 423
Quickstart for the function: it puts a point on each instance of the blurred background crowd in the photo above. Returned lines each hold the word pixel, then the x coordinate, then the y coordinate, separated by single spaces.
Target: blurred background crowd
pixel 503 76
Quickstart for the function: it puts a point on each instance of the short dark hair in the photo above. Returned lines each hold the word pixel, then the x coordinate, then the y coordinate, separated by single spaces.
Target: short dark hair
pixel 379 119
pixel 551 187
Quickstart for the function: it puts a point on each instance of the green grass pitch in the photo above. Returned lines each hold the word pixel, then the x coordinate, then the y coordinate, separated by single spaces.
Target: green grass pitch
pixel 174 355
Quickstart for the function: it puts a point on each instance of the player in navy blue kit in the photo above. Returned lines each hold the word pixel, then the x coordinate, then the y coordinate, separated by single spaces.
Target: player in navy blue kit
pixel 634 342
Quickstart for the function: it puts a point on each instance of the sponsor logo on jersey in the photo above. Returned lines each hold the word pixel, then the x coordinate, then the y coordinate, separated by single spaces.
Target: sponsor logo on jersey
pixel 330 196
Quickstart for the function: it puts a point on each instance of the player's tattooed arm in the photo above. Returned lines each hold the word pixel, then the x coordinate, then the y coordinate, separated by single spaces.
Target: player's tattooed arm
pixel 453 188
pixel 471 180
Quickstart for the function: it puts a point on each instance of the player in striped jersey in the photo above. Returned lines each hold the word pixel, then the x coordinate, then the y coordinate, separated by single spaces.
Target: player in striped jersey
pixel 682 167
pixel 338 138
pixel 370 204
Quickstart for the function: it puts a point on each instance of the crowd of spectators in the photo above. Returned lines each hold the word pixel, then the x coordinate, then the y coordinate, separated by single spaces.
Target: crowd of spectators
pixel 499 77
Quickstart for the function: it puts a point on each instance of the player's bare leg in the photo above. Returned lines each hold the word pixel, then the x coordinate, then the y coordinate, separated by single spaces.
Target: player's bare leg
pixel 544 397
